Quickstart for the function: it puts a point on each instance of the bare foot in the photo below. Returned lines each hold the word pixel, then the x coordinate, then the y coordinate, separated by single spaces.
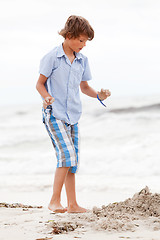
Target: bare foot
pixel 57 208
pixel 76 209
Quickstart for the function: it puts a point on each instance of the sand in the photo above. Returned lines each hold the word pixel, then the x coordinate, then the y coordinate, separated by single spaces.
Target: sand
pixel 137 217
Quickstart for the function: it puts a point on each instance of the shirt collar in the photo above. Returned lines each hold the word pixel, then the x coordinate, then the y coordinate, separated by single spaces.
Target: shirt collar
pixel 60 53
pixel 78 55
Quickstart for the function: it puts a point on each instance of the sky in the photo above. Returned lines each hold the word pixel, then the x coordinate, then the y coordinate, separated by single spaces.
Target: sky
pixel 123 56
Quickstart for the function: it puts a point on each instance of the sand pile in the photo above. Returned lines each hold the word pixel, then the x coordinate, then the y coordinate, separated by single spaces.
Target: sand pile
pixel 143 203
pixel 123 215
pixel 120 216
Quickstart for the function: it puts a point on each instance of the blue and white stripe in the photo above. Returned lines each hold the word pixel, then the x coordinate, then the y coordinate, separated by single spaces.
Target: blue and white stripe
pixel 65 139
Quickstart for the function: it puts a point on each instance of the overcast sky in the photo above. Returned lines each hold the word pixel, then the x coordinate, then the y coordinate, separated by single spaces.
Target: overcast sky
pixel 124 56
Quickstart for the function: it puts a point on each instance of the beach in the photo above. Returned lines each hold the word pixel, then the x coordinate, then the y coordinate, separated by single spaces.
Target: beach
pixel 119 157
pixel 135 218
pixel 119 166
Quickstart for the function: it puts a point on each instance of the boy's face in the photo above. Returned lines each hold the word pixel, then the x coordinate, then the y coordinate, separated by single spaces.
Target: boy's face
pixel 76 44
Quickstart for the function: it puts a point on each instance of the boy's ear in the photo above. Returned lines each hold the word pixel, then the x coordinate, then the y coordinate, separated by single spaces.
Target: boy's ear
pixel 68 36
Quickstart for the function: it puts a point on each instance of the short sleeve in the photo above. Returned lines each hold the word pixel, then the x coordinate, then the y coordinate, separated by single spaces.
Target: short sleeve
pixel 47 65
pixel 87 73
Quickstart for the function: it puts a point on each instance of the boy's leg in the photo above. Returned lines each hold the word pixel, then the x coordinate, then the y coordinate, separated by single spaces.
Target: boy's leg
pixel 55 203
pixel 70 178
pixel 60 135
pixel 73 207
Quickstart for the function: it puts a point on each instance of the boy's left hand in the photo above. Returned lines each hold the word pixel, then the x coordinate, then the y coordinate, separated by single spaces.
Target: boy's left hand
pixel 103 94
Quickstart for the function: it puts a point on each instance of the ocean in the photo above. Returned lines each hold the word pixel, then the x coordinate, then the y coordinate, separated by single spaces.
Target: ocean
pixel 120 144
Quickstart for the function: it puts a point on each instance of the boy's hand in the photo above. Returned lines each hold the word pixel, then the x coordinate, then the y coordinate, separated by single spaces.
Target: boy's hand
pixel 48 101
pixel 103 94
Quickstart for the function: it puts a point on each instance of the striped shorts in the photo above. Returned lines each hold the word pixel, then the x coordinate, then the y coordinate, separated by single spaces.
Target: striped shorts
pixel 65 139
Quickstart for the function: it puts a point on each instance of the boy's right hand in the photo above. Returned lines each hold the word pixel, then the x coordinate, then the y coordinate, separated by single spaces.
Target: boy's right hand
pixel 48 101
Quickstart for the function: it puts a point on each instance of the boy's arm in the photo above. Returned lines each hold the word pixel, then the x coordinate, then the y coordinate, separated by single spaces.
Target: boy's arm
pixel 86 89
pixel 40 86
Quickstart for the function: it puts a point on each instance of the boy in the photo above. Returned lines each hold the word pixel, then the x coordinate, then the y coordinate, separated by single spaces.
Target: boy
pixel 62 71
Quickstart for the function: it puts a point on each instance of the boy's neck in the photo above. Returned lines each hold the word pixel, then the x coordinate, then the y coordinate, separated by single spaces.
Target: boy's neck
pixel 68 51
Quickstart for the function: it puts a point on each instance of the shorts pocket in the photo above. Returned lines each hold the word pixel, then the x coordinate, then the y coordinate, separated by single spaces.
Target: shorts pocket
pixel 46 113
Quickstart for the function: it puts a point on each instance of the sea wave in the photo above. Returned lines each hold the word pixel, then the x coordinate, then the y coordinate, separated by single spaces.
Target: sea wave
pixel 148 108
pixel 117 144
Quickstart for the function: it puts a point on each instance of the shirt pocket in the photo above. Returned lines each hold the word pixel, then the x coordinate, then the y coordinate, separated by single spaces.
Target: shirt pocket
pixel 77 76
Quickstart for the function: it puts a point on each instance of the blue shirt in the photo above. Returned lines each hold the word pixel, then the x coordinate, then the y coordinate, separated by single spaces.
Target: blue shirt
pixel 63 82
